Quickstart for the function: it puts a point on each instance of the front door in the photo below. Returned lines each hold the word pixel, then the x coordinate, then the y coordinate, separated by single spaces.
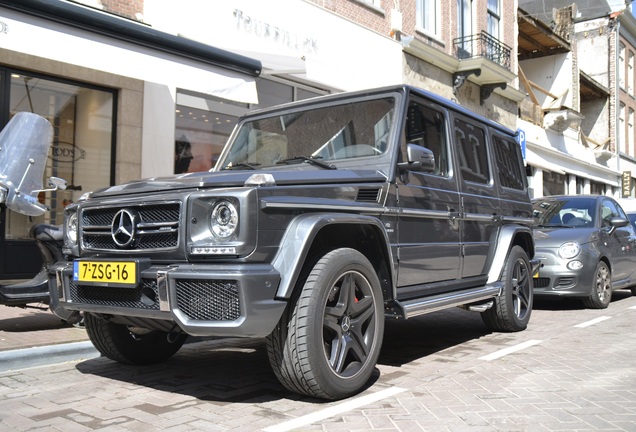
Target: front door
pixel 428 228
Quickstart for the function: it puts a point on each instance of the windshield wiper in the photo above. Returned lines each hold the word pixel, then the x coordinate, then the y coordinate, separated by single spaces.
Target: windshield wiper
pixel 311 160
pixel 241 165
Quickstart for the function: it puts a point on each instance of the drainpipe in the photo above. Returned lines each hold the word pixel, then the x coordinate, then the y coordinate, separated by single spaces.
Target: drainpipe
pixel 617 104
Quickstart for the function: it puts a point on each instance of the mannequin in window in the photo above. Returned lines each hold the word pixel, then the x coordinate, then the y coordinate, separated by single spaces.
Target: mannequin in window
pixel 183 155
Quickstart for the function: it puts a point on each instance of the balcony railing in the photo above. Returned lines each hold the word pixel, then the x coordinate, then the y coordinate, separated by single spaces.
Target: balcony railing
pixel 483 45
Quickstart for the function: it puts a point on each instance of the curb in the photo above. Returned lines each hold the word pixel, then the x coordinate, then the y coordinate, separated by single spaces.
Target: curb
pixel 46 355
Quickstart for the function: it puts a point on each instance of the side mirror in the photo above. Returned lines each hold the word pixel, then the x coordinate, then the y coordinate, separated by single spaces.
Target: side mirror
pixel 617 222
pixel 418 159
pixel 57 183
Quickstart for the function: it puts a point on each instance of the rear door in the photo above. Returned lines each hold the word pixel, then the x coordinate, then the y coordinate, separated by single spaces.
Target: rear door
pixel 478 195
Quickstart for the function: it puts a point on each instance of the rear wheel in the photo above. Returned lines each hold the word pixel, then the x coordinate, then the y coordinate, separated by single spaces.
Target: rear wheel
pixel 327 343
pixel 131 345
pixel 601 294
pixel 512 309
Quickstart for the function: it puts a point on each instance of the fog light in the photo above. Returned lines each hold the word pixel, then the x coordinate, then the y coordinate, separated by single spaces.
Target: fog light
pixel 575 265
pixel 213 250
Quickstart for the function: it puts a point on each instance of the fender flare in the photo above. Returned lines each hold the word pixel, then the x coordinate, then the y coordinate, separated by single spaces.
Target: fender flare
pixel 299 237
pixel 505 241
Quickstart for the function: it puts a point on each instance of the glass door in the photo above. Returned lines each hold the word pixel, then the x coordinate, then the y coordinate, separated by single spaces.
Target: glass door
pixel 83 120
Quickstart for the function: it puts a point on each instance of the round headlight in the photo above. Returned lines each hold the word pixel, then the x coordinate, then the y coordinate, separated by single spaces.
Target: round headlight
pixel 224 219
pixel 569 250
pixel 71 228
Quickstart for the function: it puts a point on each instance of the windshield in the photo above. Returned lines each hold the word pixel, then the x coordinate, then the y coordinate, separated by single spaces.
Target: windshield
pixel 564 212
pixel 24 148
pixel 332 133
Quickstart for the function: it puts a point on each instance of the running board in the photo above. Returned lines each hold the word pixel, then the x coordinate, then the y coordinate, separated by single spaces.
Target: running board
pixel 411 308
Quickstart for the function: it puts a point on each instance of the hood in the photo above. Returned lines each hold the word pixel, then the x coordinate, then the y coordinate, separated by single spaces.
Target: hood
pixel 555 237
pixel 228 179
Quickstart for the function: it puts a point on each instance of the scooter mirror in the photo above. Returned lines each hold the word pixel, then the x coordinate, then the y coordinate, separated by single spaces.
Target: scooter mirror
pixel 57 183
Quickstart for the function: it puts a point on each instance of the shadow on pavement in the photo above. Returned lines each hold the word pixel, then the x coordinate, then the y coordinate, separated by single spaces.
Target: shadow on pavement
pixel 565 303
pixel 237 370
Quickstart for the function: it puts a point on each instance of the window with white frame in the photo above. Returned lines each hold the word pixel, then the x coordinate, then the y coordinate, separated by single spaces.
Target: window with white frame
pixel 426 15
pixel 630 133
pixel 465 28
pixel 621 128
pixel 630 73
pixel 494 18
pixel 621 65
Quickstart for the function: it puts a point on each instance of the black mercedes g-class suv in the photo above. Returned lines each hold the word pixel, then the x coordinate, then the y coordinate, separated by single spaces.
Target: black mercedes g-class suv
pixel 321 218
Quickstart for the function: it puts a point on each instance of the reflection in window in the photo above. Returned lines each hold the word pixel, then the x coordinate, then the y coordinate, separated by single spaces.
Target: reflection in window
pixel 349 130
pixel 82 120
pixel 425 127
pixel 507 155
pixel 471 150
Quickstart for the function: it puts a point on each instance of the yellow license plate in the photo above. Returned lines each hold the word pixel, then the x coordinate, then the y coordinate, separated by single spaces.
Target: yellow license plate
pixel 105 272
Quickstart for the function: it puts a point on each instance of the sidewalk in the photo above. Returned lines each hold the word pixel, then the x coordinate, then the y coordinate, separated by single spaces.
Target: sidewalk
pixel 28 328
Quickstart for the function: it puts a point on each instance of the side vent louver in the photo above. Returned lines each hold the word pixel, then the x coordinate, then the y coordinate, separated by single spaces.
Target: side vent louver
pixel 368 195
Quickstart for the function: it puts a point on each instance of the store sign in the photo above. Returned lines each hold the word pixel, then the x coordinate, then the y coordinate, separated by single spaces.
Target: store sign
pixel 65 152
pixel 274 33
pixel 4 28
pixel 626 181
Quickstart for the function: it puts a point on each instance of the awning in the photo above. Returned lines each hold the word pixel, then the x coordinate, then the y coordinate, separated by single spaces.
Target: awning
pixel 43 38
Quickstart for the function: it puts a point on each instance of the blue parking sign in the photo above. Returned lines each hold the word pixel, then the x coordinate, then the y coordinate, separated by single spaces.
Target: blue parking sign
pixel 521 137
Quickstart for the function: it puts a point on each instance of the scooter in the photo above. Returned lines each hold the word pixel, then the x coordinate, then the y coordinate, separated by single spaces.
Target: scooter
pixel 24 148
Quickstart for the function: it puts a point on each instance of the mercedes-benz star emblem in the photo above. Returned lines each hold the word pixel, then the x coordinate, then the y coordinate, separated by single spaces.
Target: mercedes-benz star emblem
pixel 123 227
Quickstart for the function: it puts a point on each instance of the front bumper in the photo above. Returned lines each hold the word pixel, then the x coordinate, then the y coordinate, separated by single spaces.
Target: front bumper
pixel 554 278
pixel 202 299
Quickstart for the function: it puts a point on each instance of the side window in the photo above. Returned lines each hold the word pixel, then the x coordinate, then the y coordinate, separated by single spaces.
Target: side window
pixel 470 142
pixel 608 211
pixel 425 127
pixel 507 157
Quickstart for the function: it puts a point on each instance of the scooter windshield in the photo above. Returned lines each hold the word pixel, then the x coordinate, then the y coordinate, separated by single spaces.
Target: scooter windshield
pixel 24 147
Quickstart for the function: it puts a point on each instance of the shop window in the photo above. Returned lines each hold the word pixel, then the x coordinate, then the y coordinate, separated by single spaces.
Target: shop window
pixel 83 123
pixel 597 188
pixel 553 183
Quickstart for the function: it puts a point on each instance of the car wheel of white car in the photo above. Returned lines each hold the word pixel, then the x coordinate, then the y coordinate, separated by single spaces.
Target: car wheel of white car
pixel 601 294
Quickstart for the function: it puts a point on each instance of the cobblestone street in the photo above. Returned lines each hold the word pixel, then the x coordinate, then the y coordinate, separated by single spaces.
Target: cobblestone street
pixel 573 369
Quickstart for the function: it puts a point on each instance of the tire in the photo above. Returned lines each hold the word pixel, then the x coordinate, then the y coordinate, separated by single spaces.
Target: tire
pixel 601 294
pixel 633 290
pixel 118 343
pixel 512 309
pixel 327 343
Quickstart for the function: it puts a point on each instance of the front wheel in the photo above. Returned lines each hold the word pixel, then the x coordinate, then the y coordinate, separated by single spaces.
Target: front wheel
pixel 601 294
pixel 328 342
pixel 132 346
pixel 512 308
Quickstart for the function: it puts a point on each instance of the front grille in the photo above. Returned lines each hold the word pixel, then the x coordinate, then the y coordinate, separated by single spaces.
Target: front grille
pixel 541 282
pixel 208 300
pixel 157 227
pixel 565 281
pixel 144 296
